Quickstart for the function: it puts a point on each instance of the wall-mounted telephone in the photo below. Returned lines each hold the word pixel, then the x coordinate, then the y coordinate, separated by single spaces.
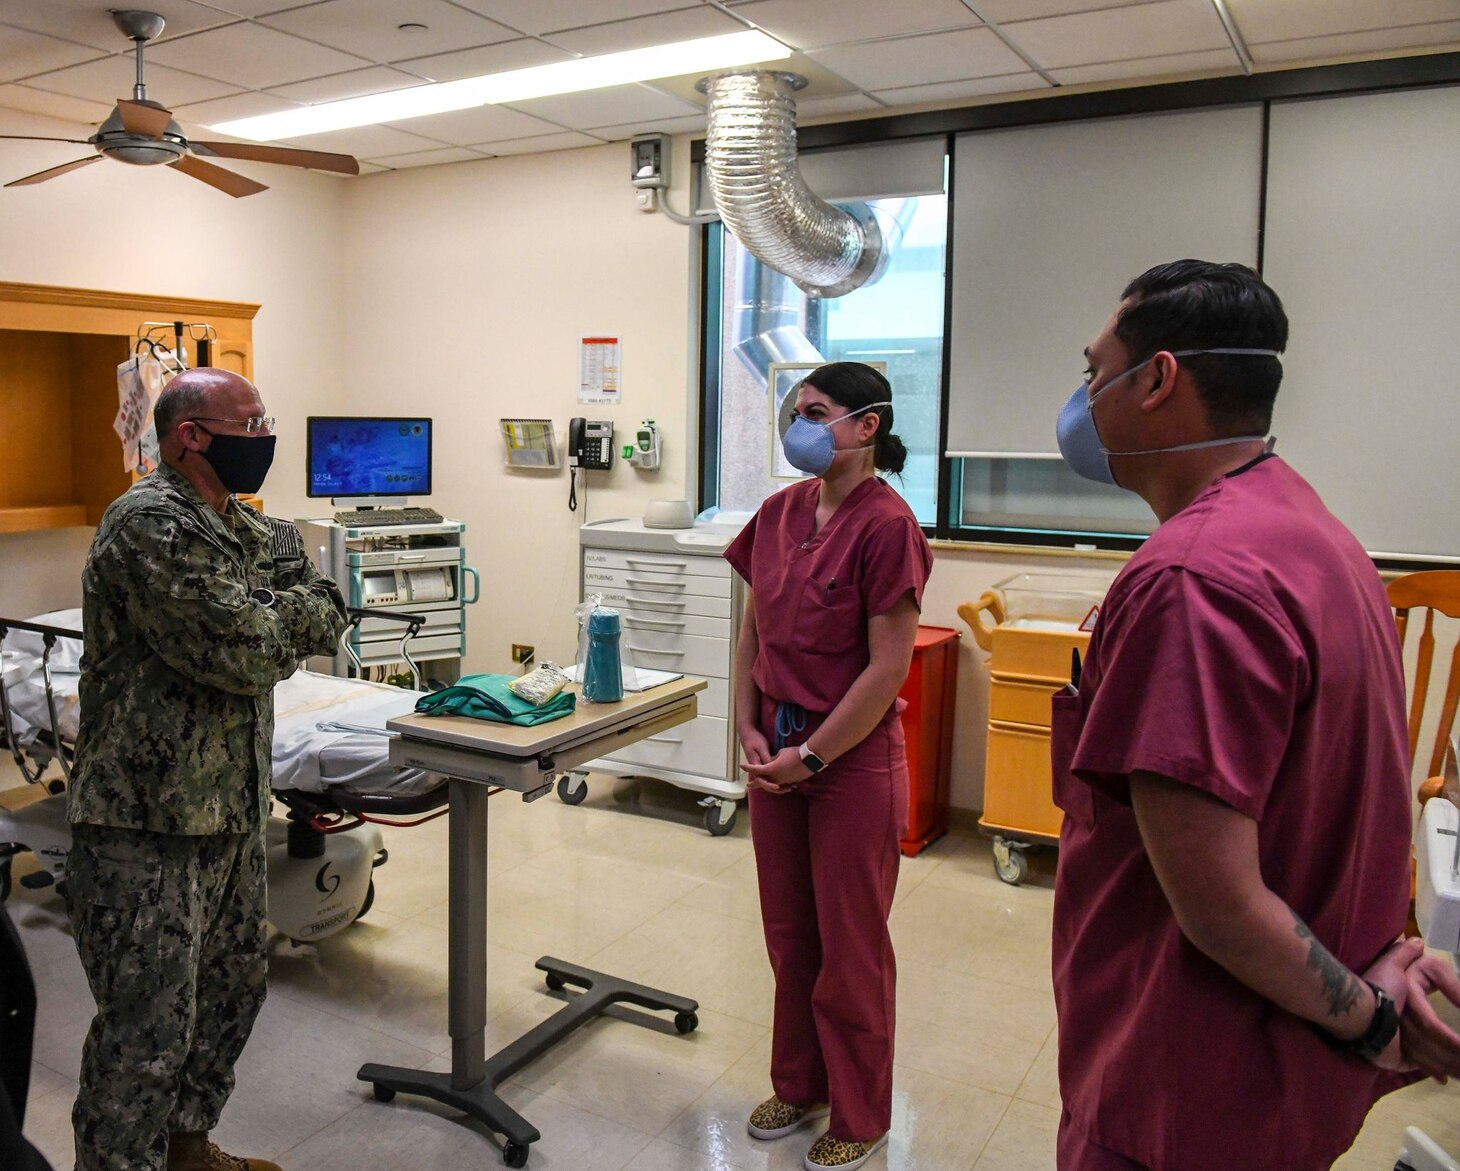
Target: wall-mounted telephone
pixel 590 444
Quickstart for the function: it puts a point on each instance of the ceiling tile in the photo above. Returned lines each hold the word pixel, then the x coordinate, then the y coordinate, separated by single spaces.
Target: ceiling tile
pixel 814 24
pixel 520 54
pixel 821 81
pixel 567 140
pixel 540 16
pixel 369 28
pixel 1003 11
pixel 352 84
pixel 244 105
pixel 429 158
pixel 478 124
pixel 366 142
pixel 606 107
pixel 690 125
pixel 687 24
pixel 1119 34
pixel 1355 44
pixel 39 101
pixel 111 78
pixel 952 56
pixel 253 57
pixel 89 23
pixel 1263 20
pixel 253 8
pixel 23 54
pixel 1151 68
pixel 950 91
pixel 854 103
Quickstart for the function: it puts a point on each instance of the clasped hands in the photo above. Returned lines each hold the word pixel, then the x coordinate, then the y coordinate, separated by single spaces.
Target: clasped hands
pixel 773 772
pixel 1424 1041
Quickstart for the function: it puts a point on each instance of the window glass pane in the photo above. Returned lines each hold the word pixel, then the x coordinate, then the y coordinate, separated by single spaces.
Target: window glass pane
pixel 1044 495
pixel 897 321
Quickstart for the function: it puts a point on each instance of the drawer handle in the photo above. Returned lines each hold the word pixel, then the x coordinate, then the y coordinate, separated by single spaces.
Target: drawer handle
pixel 673 585
pixel 646 650
pixel 653 602
pixel 641 561
pixel 653 622
pixel 667 739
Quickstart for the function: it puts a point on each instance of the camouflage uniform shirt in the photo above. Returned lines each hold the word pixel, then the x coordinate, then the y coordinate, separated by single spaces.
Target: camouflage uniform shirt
pixel 177 679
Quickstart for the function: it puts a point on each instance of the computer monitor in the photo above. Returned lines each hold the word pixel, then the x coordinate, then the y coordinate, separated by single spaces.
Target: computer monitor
pixel 368 457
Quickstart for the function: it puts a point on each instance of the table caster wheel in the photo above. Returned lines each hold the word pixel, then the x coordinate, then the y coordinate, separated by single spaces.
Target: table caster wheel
pixel 720 818
pixel 554 982
pixel 515 1154
pixel 382 1093
pixel 1009 862
pixel 572 790
pixel 686 1022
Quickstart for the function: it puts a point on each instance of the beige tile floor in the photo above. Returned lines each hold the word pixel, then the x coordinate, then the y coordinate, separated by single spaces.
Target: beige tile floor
pixel 629 883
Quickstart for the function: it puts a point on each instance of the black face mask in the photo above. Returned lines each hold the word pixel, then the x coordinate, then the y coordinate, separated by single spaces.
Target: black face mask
pixel 241 462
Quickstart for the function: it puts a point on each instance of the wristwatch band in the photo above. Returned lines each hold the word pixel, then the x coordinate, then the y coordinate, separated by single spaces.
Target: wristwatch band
pixel 810 759
pixel 1381 1030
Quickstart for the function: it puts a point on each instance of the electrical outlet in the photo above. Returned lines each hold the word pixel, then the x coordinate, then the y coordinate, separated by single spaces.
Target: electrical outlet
pixel 522 653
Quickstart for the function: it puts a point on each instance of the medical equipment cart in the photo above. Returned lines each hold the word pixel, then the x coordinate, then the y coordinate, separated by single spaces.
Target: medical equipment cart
pixel 1038 620
pixel 681 605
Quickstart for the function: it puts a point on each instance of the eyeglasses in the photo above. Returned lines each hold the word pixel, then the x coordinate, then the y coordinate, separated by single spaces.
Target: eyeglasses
pixel 258 425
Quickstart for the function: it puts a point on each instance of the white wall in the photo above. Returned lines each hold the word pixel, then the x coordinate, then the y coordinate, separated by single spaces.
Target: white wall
pixel 153 230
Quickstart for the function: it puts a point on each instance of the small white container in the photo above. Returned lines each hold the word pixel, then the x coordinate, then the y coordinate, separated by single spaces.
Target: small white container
pixel 668 514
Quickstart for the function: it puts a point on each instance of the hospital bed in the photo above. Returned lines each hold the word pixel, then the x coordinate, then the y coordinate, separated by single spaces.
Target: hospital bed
pixel 332 773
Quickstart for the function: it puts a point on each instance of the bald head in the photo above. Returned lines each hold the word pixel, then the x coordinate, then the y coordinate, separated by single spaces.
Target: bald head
pixel 206 392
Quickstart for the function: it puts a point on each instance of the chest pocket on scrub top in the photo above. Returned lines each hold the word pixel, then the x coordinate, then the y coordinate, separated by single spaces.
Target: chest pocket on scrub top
pixel 1067 721
pixel 829 618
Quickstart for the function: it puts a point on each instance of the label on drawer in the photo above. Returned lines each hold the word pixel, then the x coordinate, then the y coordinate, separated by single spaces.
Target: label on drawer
pixel 595 578
pixel 688 565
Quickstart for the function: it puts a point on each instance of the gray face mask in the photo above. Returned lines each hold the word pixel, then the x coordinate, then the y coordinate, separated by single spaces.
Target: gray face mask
pixel 1079 438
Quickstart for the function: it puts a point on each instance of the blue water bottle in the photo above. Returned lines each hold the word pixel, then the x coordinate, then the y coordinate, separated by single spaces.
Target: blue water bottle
pixel 603 677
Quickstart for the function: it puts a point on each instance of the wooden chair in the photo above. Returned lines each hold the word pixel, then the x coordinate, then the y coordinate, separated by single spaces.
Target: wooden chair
pixel 1433 590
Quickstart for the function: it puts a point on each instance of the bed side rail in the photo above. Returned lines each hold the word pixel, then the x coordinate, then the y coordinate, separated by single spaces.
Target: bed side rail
pixel 50 635
pixel 413 624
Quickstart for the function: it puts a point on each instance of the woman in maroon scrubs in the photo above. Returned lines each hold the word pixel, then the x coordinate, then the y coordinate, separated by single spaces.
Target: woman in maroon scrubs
pixel 836 566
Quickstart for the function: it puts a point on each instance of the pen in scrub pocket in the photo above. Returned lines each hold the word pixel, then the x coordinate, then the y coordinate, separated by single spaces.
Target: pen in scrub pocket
pixel 1075 667
pixel 831 585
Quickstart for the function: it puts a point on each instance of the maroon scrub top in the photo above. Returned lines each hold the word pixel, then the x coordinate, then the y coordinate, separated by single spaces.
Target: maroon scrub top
pixel 1247 650
pixel 814 594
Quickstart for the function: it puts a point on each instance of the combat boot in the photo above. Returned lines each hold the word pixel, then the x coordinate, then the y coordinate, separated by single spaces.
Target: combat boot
pixel 195 1152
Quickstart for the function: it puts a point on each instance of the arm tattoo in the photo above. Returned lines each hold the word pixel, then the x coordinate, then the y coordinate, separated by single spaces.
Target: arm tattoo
pixel 1340 986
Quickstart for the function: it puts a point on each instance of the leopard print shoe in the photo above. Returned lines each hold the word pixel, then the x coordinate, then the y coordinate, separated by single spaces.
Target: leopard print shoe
pixel 828 1153
pixel 776 1119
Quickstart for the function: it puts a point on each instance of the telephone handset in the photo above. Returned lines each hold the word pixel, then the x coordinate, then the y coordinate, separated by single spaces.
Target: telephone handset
pixel 590 444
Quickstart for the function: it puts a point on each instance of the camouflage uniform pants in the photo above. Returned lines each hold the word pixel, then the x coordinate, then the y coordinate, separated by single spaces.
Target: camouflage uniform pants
pixel 171 933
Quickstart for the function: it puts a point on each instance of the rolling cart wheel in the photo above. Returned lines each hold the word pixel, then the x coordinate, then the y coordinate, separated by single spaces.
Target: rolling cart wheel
pixel 570 794
pixel 718 822
pixel 686 1022
pixel 383 1093
pixel 369 900
pixel 1009 862
pixel 555 982
pixel 515 1154
pixel 55 787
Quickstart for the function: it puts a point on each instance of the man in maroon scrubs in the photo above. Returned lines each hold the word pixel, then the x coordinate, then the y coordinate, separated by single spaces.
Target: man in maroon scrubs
pixel 1233 994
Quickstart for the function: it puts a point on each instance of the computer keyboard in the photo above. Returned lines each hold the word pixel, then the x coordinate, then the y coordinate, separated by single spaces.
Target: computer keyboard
pixel 369 518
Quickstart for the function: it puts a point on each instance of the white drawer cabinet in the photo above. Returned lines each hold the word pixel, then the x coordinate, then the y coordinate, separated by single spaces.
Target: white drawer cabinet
pixel 681 605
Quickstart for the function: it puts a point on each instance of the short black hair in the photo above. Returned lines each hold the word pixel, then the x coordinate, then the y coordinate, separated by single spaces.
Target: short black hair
pixel 1198 305
pixel 855 385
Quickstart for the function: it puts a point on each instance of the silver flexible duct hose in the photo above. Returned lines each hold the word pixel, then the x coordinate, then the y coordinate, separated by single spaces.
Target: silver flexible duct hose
pixel 750 166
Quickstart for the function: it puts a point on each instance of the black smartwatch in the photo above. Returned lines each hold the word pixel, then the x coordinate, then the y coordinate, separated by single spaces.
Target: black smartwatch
pixel 1381 1030
pixel 813 762
pixel 263 596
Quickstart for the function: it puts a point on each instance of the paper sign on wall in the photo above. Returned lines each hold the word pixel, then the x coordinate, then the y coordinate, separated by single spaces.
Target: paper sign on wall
pixel 598 370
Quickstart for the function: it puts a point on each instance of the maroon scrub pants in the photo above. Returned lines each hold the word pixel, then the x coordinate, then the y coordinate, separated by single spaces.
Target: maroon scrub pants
pixel 826 857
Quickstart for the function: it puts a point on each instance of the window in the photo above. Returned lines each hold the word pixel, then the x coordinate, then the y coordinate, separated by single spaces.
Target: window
pixel 756 316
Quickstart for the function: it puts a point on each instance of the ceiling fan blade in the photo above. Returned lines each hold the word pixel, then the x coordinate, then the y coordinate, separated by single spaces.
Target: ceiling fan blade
pixel 140 119
pixel 39 138
pixel 231 182
pixel 319 160
pixel 53 172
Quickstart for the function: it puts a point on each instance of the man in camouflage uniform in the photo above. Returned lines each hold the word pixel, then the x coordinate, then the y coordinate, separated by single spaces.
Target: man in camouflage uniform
pixel 191 617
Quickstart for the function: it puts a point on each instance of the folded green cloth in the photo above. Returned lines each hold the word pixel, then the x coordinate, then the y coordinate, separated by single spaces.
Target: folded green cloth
pixel 487 697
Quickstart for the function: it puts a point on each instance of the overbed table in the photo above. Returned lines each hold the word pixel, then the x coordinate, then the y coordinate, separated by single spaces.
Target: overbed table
pixel 474 755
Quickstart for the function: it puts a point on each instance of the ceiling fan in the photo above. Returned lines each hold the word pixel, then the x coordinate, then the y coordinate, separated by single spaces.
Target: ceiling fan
pixel 143 133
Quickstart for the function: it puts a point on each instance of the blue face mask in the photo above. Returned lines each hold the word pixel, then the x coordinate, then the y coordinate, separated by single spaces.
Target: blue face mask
pixel 1079 438
pixel 811 447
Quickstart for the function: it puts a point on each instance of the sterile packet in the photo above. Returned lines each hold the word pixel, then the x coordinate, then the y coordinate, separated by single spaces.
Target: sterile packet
pixel 539 686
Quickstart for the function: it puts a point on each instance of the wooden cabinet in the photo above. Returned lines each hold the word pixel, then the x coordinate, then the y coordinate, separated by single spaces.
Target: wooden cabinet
pixel 60 460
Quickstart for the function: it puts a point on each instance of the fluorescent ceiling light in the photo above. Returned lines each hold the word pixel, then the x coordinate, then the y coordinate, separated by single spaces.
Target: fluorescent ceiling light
pixel 564 77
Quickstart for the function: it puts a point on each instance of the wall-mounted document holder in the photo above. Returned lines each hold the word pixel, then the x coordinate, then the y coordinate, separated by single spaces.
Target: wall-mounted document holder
pixel 531 443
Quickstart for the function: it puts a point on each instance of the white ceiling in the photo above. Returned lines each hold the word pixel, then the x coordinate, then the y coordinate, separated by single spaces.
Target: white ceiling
pixel 220 59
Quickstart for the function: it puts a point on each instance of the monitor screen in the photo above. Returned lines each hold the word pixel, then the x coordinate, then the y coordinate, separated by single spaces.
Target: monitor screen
pixel 369 456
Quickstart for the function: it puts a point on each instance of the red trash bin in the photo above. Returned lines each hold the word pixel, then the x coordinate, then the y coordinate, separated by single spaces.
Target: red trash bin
pixel 927 723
